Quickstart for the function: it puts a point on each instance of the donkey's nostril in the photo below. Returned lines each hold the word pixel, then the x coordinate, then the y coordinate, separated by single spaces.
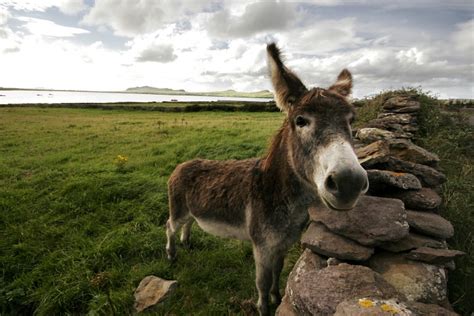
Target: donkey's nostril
pixel 331 185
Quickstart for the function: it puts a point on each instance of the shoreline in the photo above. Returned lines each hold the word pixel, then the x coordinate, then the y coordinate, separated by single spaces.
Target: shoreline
pixel 166 106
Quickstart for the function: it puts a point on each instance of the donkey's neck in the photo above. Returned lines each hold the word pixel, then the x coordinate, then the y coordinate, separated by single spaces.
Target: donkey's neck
pixel 278 172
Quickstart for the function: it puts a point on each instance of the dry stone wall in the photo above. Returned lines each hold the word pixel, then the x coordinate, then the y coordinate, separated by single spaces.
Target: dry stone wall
pixel 389 254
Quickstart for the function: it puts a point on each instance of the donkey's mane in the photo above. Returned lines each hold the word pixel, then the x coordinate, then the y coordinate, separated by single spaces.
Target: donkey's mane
pixel 276 143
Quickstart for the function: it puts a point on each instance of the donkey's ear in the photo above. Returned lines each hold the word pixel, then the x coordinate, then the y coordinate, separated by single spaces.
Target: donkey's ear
pixel 288 87
pixel 343 85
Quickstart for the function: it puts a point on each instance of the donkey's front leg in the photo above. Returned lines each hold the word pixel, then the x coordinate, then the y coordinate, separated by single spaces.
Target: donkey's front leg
pixel 276 271
pixel 263 278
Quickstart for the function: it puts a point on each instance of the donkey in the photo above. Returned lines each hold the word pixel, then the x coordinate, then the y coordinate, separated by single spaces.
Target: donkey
pixel 310 161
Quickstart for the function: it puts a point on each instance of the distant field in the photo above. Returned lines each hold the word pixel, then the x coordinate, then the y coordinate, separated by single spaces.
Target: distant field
pixel 165 106
pixel 79 229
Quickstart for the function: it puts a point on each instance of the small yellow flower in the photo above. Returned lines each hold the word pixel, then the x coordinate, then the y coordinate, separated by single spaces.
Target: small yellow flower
pixel 122 158
pixel 120 161
pixel 366 303
pixel 389 308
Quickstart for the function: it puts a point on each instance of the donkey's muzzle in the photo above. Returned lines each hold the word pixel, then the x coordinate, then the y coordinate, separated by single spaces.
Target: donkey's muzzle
pixel 344 186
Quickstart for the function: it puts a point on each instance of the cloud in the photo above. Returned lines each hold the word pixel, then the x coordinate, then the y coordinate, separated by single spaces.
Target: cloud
pixel 130 17
pixel 158 53
pixel 69 7
pixel 48 28
pixel 4 16
pixel 323 36
pixel 256 17
pixel 463 37
pixel 72 7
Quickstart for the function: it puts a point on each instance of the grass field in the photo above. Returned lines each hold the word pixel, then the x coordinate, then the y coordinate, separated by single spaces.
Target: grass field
pixel 81 226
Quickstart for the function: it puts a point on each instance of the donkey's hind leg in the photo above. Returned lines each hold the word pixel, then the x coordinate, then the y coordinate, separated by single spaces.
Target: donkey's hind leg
pixel 171 240
pixel 185 232
pixel 179 216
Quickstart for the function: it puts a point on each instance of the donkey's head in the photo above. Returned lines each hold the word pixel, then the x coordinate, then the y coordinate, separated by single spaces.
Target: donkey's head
pixel 319 134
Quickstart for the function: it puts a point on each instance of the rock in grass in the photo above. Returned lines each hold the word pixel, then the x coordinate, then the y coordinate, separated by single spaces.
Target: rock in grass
pixel 430 224
pixel 423 199
pixel 412 241
pixel 372 221
pixel 418 281
pixel 383 179
pixel 321 240
pixel 151 291
pixel 435 256
pixel 319 292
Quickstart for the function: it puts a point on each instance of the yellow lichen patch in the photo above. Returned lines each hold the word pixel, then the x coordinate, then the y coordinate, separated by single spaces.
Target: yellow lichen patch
pixel 366 303
pixel 389 308
pixel 397 174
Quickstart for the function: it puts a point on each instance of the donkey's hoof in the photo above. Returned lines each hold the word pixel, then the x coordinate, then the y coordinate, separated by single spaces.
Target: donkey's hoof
pixel 172 259
pixel 186 244
pixel 171 255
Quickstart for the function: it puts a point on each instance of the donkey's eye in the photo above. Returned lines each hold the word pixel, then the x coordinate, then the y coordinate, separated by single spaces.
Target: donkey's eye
pixel 301 121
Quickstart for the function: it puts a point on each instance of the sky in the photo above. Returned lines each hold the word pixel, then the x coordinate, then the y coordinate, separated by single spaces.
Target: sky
pixel 111 45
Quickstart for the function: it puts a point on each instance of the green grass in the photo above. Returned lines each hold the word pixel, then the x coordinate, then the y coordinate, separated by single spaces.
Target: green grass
pixel 79 231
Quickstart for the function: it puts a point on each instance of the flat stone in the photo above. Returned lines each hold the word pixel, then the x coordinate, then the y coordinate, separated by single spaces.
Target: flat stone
pixel 430 224
pixel 391 126
pixel 418 281
pixel 372 221
pixel 318 292
pixel 407 109
pixel 399 118
pixel 378 307
pixel 422 309
pixel 372 134
pixel 375 152
pixel 412 241
pixel 429 177
pixel 151 291
pixel 398 102
pixel 434 256
pixel 405 150
pixel 379 180
pixel 423 199
pixel 319 239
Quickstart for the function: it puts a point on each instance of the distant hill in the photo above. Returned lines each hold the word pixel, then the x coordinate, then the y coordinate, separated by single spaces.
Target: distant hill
pixel 153 90
pixel 225 93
